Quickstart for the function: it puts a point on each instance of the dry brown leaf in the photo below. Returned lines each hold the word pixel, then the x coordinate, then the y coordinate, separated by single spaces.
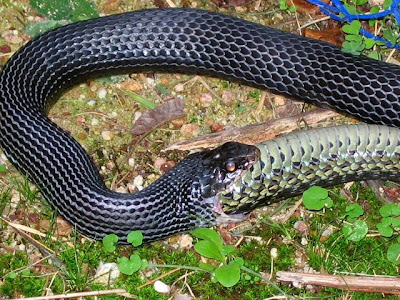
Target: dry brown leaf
pixel 170 110
pixel 231 3
pixel 333 35
pixel 303 7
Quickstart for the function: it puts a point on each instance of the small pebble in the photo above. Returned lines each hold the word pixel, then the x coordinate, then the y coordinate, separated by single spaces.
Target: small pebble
pixel 161 287
pixel 106 273
pixel 107 135
pixel 138 181
pixel 91 102
pixel 206 99
pixel 102 93
pixel 95 122
pixel 179 87
pixel 131 162
pixel 190 130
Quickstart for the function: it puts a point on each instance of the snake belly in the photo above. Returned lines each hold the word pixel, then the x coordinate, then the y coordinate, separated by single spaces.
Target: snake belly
pixel 167 40
pixel 290 164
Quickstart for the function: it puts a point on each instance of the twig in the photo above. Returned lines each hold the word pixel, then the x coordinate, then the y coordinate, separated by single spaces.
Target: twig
pixel 78 295
pixel 371 284
pixel 158 278
pixel 255 133
pixel 291 211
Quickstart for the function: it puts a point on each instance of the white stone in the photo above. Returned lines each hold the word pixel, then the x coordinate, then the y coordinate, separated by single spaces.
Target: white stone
pixel 161 287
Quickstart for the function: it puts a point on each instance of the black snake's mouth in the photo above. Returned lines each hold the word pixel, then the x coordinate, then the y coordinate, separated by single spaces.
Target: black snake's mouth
pixel 223 167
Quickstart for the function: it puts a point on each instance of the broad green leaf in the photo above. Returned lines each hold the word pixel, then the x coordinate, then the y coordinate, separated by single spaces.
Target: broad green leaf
pixel 131 265
pixel 393 253
pixel 135 238
pixel 353 47
pixel 208 235
pixel 228 275
pixel 228 249
pixel 352 28
pixel 360 2
pixel 26 272
pixel 384 230
pixel 352 37
pixel 354 210
pixel 390 35
pixel 356 232
pixel 74 10
pixel 145 264
pixel 3 169
pixel 12 275
pixel 396 210
pixel 328 202
pixel 314 198
pixel 208 249
pixel 239 261
pixel 387 4
pixel 36 29
pixel 375 55
pixel 109 242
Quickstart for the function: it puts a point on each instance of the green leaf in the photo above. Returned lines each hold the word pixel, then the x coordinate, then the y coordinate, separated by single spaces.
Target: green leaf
pixel 373 10
pixel 314 198
pixel 393 253
pixel 352 28
pixel 356 232
pixel 375 55
pixel 36 29
pixel 145 264
pixel 109 242
pixel 228 275
pixel 26 272
pixel 240 261
pixel 387 4
pixel 74 10
pixel 353 47
pixel 135 238
pixel 208 235
pixel 384 230
pixel 209 249
pixel 140 99
pixel 3 168
pixel 354 210
pixel 206 267
pixel 352 37
pixel 328 202
pixel 395 210
pixel 228 249
pixel 12 275
pixel 390 35
pixel 131 265
pixel 360 2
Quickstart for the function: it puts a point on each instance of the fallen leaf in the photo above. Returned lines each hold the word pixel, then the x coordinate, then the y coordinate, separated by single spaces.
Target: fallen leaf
pixel 333 35
pixel 149 120
pixel 303 7
pixel 231 3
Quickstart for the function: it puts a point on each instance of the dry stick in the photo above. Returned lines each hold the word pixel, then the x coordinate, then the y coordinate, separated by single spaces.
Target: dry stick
pixel 371 284
pixel 255 133
pixel 78 295
pixel 158 278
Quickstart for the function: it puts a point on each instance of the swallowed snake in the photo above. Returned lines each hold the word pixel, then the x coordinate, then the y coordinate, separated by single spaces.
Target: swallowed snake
pixel 206 187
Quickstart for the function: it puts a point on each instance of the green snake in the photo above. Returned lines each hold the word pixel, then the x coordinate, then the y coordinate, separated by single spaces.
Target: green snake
pixel 208 186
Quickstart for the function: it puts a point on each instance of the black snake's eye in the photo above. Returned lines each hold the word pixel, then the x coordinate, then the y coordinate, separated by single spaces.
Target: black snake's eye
pixel 230 166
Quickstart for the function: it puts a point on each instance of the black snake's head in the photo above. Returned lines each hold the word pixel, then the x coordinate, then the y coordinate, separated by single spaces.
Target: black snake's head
pixel 224 165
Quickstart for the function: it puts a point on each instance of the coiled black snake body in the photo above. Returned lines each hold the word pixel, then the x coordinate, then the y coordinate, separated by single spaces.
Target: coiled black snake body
pixel 168 40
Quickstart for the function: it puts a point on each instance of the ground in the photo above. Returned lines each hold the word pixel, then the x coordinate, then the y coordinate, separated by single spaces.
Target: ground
pixel 100 115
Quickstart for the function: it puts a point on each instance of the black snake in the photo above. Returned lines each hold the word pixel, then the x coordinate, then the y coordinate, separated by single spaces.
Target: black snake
pixel 187 41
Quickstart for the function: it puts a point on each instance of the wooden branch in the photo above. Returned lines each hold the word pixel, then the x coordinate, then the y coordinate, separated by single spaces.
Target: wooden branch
pixel 255 133
pixel 371 284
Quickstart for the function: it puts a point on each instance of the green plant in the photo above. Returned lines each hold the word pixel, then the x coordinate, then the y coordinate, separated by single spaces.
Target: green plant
pixel 60 13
